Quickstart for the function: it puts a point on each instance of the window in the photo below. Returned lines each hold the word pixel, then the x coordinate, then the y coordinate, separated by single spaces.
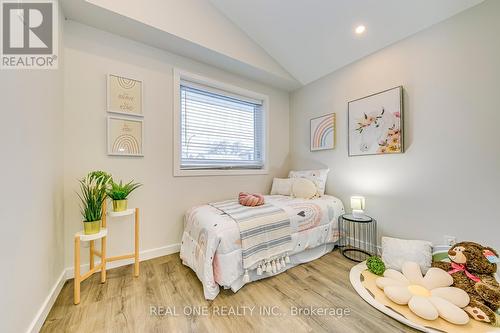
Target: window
pixel 221 128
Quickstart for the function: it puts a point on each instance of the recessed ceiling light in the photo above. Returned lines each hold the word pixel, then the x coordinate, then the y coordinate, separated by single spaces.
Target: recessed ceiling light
pixel 360 29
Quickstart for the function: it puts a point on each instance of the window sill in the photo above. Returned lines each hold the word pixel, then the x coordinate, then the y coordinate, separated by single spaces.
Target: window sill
pixel 216 172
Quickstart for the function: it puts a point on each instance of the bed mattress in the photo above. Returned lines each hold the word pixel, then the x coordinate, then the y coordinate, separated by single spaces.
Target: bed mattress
pixel 211 244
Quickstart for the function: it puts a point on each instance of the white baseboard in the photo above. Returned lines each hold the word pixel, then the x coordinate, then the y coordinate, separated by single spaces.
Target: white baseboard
pixel 143 255
pixel 42 313
pixel 68 273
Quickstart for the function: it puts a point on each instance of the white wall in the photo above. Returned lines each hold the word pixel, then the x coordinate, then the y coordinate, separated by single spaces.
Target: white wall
pixel 32 192
pixel 90 54
pixel 192 28
pixel 447 182
pixel 212 29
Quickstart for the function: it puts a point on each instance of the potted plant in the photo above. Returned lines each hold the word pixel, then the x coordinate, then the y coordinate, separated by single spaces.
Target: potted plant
pixel 93 193
pixel 119 193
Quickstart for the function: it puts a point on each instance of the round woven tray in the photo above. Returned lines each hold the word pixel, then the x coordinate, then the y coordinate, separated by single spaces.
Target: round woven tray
pixel 363 282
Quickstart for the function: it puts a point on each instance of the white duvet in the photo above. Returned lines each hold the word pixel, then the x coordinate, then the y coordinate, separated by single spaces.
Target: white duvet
pixel 211 244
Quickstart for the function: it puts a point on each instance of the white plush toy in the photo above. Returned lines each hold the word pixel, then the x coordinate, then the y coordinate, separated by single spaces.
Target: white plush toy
pixel 428 297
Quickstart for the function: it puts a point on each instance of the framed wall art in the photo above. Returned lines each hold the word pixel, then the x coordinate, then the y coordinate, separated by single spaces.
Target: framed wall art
pixel 376 123
pixel 124 95
pixel 322 132
pixel 125 136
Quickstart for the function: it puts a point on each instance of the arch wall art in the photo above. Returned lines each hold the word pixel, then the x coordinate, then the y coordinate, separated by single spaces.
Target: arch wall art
pixel 323 132
pixel 124 95
pixel 125 136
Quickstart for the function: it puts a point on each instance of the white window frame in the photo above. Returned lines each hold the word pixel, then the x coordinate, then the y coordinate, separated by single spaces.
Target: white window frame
pixel 230 89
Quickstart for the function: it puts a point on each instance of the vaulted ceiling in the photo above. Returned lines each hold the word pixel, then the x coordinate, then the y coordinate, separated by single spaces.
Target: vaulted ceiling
pixel 283 43
pixel 315 37
pixel 191 28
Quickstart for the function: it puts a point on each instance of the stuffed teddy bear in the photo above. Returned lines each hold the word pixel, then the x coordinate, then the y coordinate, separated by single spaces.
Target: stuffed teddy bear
pixel 473 267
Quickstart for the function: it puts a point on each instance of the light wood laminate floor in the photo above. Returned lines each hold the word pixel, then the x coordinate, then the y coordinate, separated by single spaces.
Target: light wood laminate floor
pixel 165 286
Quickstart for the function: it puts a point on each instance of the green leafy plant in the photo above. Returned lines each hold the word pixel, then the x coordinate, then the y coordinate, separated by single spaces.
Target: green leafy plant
pixel 375 265
pixel 98 174
pixel 93 193
pixel 120 191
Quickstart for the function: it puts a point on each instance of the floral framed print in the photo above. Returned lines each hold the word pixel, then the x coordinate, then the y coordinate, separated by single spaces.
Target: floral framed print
pixel 125 136
pixel 376 123
pixel 322 132
pixel 124 95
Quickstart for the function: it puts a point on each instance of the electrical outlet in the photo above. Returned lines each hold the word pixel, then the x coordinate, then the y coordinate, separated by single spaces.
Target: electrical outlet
pixel 450 240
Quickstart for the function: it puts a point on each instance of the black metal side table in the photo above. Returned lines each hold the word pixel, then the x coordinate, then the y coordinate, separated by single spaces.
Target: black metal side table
pixel 358 237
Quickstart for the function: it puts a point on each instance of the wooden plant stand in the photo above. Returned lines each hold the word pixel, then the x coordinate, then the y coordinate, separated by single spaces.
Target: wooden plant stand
pixel 81 237
pixel 135 255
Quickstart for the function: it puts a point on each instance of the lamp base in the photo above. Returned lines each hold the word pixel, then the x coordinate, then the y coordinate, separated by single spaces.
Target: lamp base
pixel 358 213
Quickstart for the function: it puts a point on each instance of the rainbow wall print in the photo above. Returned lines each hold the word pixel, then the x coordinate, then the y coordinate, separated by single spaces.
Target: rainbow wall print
pixel 124 95
pixel 125 136
pixel 323 132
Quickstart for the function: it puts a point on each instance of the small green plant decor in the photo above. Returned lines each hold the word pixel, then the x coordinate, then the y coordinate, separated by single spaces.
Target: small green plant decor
pixel 93 193
pixel 119 193
pixel 375 265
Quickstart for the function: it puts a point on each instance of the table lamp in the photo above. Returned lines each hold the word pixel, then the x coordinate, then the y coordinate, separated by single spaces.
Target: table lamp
pixel 357 206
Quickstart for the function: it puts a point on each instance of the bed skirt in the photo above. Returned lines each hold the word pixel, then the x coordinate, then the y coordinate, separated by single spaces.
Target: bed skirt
pixel 295 259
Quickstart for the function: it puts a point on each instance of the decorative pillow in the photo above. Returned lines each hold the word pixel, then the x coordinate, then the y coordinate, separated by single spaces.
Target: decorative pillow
pixel 428 296
pixel 318 177
pixel 396 251
pixel 247 199
pixel 282 186
pixel 304 188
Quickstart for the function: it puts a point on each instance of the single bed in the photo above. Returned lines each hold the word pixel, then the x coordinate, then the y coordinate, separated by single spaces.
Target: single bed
pixel 211 244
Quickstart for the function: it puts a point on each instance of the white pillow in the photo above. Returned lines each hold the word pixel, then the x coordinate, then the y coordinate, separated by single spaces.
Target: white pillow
pixel 396 251
pixel 304 188
pixel 318 177
pixel 282 186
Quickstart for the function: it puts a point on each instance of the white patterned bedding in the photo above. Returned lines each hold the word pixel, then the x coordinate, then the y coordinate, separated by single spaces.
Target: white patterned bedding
pixel 211 244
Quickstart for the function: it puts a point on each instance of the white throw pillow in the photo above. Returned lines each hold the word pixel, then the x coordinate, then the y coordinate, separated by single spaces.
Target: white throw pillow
pixel 396 251
pixel 318 177
pixel 304 188
pixel 282 186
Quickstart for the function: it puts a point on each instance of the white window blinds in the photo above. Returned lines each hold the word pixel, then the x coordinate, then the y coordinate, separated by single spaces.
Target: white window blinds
pixel 220 130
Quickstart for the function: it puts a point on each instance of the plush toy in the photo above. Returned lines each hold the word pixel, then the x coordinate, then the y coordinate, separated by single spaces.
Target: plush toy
pixel 375 265
pixel 429 296
pixel 473 267
pixel 247 199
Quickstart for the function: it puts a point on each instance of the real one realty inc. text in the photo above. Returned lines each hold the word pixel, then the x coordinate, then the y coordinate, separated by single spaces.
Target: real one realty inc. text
pixel 240 311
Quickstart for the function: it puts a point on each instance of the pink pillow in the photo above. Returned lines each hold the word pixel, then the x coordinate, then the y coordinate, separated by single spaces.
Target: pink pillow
pixel 247 199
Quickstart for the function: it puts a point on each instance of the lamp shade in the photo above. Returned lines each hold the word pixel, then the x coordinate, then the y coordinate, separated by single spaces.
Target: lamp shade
pixel 357 203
